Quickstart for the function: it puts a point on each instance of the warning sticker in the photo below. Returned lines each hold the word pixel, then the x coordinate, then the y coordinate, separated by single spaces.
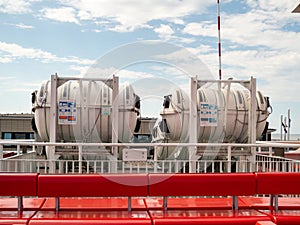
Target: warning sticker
pixel 208 115
pixel 67 112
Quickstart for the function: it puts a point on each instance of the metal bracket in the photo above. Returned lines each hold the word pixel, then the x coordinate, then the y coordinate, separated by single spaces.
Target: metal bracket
pixel 57 204
pixel 235 203
pixel 20 203
pixel 165 203
pixel 129 204
pixel 274 202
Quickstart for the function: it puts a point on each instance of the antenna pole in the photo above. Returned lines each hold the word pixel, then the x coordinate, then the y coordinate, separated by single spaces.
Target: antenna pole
pixel 219 40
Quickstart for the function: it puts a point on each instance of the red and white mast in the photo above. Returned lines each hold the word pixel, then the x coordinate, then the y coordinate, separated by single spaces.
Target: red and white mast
pixel 219 41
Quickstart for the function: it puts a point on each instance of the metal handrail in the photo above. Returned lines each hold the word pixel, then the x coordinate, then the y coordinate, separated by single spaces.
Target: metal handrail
pixel 258 144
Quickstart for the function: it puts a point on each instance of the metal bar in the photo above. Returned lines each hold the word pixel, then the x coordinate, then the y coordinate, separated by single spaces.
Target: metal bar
pixel 73 166
pixel 235 203
pixel 57 204
pixel 20 203
pixel 270 151
pixel 115 115
pixel 229 159
pixel 129 204
pixel 155 160
pixel 225 81
pixel 1 151
pixel 257 144
pixel 18 150
pixel 80 158
pixel 263 163
pixel 165 203
pixel 83 79
pixel 53 123
pixel 67 167
pixel 193 124
pixel 252 120
pixel 276 203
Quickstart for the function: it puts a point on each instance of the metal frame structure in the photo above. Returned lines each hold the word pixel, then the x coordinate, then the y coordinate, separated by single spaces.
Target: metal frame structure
pixel 194 85
pixel 56 81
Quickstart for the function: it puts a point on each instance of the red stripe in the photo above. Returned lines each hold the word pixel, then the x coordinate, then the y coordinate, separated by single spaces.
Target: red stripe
pixel 219 45
pixel 219 23
pixel 220 74
pixel 71 118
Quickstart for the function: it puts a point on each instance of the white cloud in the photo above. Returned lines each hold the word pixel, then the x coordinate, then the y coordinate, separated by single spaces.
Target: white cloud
pixel 105 73
pixel 83 15
pixel 167 33
pixel 268 5
pixel 76 60
pixel 65 14
pixel 5 59
pixel 23 26
pixel 177 21
pixel 164 31
pixel 257 27
pixel 12 84
pixel 20 25
pixel 184 40
pixel 82 70
pixel 130 15
pixel 204 49
pixel 187 62
pixel 15 51
pixel 14 7
pixel 277 70
pixel 132 75
pixel 205 28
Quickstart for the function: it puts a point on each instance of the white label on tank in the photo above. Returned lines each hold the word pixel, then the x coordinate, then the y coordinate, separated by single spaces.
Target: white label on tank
pixel 67 112
pixel 208 115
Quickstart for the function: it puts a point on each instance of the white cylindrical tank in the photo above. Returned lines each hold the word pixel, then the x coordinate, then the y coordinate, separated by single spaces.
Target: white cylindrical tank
pixel 222 115
pixel 84 111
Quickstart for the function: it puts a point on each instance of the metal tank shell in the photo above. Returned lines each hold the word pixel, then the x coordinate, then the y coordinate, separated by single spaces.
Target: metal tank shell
pixel 230 122
pixel 92 108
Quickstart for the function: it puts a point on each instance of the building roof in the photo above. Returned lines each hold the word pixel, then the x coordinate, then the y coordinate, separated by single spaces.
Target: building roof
pixel 297 9
pixel 16 116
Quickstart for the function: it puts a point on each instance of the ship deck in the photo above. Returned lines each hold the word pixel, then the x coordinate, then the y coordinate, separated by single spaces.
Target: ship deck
pixel 201 199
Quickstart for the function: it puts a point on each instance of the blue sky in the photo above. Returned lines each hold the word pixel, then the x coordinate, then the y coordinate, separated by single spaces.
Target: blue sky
pixel 260 38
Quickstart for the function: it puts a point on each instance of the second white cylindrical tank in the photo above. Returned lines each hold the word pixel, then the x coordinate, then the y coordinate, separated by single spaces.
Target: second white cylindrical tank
pixel 222 115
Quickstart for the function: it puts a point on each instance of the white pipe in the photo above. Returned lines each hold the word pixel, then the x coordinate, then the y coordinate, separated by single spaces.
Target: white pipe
pixel 281 126
pixel 285 128
pixel 289 124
